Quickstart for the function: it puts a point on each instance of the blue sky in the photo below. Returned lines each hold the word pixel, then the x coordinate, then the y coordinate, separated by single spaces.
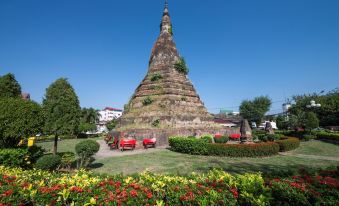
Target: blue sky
pixel 236 49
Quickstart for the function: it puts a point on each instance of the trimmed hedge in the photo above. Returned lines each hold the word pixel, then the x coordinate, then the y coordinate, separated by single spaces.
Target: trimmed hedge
pixel 48 162
pixel 328 136
pixel 200 147
pixel 243 150
pixel 288 143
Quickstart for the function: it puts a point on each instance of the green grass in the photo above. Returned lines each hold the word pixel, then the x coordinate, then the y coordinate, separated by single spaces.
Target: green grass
pixel 171 162
pixel 166 161
pixel 67 145
pixel 317 148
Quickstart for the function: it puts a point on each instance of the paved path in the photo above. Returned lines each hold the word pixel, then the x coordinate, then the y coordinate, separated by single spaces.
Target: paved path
pixel 105 151
pixel 309 156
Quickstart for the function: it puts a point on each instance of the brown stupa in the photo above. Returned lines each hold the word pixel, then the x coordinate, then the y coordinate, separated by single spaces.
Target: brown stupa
pixel 166 98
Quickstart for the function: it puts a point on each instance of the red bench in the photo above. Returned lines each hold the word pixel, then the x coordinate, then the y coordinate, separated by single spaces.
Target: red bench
pixel 149 142
pixel 129 143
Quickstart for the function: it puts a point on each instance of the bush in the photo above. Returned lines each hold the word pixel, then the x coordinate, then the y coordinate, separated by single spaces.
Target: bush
pixel 288 143
pixel 147 101
pixel 181 66
pixel 327 136
pixel 48 162
pixel 221 140
pixel 207 138
pixel 20 157
pixel 188 145
pixel 308 137
pixel 85 150
pixel 14 157
pixel 200 147
pixel 243 150
pixel 67 159
pixel 156 77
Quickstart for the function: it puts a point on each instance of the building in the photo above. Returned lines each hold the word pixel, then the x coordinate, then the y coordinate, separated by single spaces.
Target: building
pixel 109 113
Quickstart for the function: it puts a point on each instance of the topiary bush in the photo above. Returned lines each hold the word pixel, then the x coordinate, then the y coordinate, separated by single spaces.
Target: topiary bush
pixel 221 140
pixel 85 150
pixel 67 159
pixel 308 137
pixel 288 143
pixel 48 162
pixel 207 138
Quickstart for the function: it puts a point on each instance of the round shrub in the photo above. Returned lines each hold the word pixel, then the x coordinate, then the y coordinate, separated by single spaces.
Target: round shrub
pixel 207 138
pixel 288 143
pixel 221 140
pixel 14 157
pixel 85 150
pixel 48 162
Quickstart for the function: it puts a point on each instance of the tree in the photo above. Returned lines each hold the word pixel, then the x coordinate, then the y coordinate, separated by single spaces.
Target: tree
pixel 19 119
pixel 112 124
pixel 328 113
pixel 62 110
pixel 312 121
pixel 9 87
pixel 256 109
pixel 89 117
pixel 282 123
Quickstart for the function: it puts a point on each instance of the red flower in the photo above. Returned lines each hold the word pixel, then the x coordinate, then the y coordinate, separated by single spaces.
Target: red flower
pixel 76 189
pixel 133 193
pixel 7 193
pixel 234 192
pixel 149 195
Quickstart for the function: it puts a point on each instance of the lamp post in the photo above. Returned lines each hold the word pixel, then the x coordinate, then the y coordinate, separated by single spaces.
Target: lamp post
pixel 313 105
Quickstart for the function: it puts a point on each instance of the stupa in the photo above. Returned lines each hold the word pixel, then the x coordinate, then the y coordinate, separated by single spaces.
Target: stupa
pixel 165 103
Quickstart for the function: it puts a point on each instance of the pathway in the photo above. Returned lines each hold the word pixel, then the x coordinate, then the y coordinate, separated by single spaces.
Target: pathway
pixel 105 151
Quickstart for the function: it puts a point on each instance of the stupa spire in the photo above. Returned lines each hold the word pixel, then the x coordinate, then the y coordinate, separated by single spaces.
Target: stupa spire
pixel 166 25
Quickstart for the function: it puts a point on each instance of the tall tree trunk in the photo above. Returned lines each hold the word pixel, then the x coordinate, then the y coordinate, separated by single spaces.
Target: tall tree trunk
pixel 55 144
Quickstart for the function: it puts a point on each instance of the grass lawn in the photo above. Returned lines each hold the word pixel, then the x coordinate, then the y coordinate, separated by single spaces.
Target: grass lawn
pixel 67 145
pixel 171 162
pixel 166 161
pixel 317 148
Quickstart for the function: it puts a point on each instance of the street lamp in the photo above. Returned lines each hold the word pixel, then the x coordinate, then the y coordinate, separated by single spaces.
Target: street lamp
pixel 313 104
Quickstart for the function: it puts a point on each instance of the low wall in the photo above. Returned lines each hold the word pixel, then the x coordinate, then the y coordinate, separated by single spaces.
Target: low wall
pixel 162 135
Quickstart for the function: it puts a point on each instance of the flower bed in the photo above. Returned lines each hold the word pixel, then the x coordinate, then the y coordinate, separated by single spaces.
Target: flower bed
pixel 200 147
pixel 36 187
pixel 288 143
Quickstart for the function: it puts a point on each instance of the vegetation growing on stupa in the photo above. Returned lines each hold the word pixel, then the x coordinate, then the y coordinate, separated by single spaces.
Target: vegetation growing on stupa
pixel 181 66
pixel 156 77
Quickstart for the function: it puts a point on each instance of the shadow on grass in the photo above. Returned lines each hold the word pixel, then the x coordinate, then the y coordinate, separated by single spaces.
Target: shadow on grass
pixel 268 170
pixel 96 165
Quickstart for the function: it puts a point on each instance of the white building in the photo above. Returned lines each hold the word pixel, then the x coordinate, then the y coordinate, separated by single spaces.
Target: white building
pixel 109 113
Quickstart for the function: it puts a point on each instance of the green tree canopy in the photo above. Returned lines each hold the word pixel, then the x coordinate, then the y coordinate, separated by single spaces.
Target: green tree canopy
pixel 255 110
pixel 9 87
pixel 312 121
pixel 328 113
pixel 19 119
pixel 89 117
pixel 62 110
